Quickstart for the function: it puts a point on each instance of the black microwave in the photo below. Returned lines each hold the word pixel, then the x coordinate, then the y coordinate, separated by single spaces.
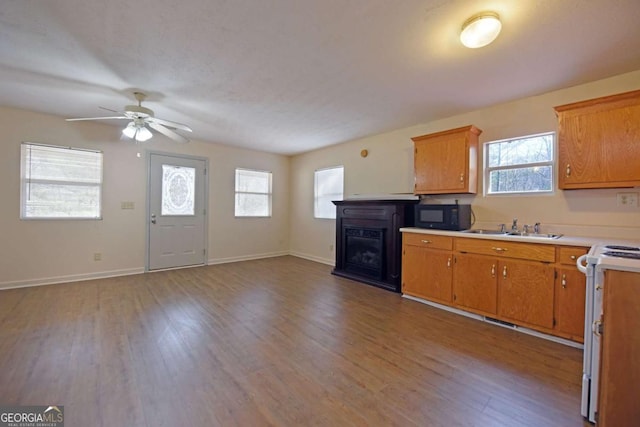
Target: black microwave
pixel 443 217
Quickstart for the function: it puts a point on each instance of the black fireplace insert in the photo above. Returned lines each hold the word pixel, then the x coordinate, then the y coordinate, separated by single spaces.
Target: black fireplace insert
pixel 369 242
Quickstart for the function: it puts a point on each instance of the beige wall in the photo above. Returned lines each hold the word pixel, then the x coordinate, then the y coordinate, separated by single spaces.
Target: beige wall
pixel 35 252
pixel 389 169
pixel 38 251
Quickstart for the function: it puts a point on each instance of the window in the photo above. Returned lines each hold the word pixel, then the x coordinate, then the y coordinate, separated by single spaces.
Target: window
pixel 329 185
pixel 60 182
pixel 253 193
pixel 520 165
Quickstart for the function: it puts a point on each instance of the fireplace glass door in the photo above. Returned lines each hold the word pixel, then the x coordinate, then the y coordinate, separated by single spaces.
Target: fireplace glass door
pixel 364 251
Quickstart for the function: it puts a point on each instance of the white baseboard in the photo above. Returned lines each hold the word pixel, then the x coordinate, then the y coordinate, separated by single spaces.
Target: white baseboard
pixel 331 262
pixel 126 272
pixel 69 278
pixel 214 261
pixel 521 329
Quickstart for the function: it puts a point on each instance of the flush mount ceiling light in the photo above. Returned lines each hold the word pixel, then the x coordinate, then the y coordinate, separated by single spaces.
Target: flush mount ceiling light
pixel 480 30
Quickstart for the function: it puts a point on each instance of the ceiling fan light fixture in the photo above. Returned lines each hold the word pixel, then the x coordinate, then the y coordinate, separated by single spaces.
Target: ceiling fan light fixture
pixel 143 134
pixel 130 130
pixel 480 30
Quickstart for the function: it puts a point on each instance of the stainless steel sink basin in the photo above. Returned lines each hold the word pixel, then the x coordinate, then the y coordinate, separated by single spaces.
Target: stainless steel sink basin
pixel 540 235
pixel 513 233
pixel 482 231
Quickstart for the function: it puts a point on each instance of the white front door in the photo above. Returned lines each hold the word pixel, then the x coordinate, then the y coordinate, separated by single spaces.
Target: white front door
pixel 177 211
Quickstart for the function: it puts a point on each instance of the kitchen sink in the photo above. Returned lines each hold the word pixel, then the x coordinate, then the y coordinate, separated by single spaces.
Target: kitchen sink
pixel 540 235
pixel 482 231
pixel 513 233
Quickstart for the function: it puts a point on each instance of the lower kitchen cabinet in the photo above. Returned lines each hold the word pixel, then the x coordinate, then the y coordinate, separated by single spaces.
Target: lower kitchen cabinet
pixel 528 284
pixel 427 268
pixel 475 286
pixel 570 291
pixel 525 292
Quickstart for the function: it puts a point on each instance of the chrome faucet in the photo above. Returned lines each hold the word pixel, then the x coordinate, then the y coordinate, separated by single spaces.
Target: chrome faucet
pixel 536 228
pixel 525 229
pixel 514 226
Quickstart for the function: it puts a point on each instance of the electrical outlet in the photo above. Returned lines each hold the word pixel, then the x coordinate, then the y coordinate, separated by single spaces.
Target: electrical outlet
pixel 627 199
pixel 97 256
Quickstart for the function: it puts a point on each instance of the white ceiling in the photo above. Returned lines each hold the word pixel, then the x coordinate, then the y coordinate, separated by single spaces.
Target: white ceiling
pixel 289 76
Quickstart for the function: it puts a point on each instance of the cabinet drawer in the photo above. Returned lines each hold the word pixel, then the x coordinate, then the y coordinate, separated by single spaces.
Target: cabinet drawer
pixel 534 252
pixel 431 241
pixel 568 254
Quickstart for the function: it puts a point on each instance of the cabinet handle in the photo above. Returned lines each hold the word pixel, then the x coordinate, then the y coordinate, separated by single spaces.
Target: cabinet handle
pixel 462 177
pixel 504 272
pixel 568 170
pixel 449 262
pixel 564 281
pixel 573 257
pixel 425 241
pixel 493 270
pixel 498 249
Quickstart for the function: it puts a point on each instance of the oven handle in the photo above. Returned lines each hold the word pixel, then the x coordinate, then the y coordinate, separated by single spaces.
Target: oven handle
pixel 581 263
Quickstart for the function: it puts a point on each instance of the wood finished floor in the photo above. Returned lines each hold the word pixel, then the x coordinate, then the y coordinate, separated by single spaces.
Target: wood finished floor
pixel 272 342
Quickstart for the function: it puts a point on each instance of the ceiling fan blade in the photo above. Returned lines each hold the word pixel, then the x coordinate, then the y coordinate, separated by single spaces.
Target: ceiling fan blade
pixel 109 109
pixel 96 118
pixel 168 123
pixel 168 132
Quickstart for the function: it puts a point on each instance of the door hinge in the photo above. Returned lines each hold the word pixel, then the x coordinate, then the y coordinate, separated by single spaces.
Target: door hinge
pixel 555 274
pixel 204 252
pixel 454 297
pixel 554 321
pixel 205 171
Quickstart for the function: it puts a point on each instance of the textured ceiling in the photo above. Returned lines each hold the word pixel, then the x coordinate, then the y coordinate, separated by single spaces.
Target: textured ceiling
pixel 289 76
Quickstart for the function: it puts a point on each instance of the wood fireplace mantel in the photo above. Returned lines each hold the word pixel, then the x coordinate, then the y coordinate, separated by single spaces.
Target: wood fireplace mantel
pixel 376 224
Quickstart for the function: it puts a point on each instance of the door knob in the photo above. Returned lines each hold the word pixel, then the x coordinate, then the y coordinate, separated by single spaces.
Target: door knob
pixel 153 218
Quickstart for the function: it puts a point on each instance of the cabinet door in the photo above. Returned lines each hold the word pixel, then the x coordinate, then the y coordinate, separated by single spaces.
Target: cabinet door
pixel 475 283
pixel 598 142
pixel 440 164
pixel 525 292
pixel 413 261
pixel 570 291
pixel 427 274
pixel 446 162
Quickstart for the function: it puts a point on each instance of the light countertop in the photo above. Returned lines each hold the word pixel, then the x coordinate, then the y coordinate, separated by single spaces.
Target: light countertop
pixel 561 241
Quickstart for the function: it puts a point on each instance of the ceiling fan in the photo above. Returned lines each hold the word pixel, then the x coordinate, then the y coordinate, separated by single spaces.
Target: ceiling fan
pixel 141 117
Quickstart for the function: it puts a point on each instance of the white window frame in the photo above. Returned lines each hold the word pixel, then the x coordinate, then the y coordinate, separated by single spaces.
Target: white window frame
pixel 551 163
pixel 26 180
pixel 320 198
pixel 269 193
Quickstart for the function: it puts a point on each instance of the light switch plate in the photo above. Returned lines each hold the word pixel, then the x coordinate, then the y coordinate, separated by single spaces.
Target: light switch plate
pixel 127 205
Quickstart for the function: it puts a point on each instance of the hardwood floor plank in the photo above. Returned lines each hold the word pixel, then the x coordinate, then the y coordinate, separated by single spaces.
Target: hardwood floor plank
pixel 272 342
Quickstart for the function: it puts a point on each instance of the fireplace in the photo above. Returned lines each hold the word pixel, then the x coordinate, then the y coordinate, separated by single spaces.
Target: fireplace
pixel 364 251
pixel 368 240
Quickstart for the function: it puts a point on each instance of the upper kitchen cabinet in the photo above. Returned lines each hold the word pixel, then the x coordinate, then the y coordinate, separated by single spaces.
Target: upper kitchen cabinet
pixel 447 162
pixel 599 142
